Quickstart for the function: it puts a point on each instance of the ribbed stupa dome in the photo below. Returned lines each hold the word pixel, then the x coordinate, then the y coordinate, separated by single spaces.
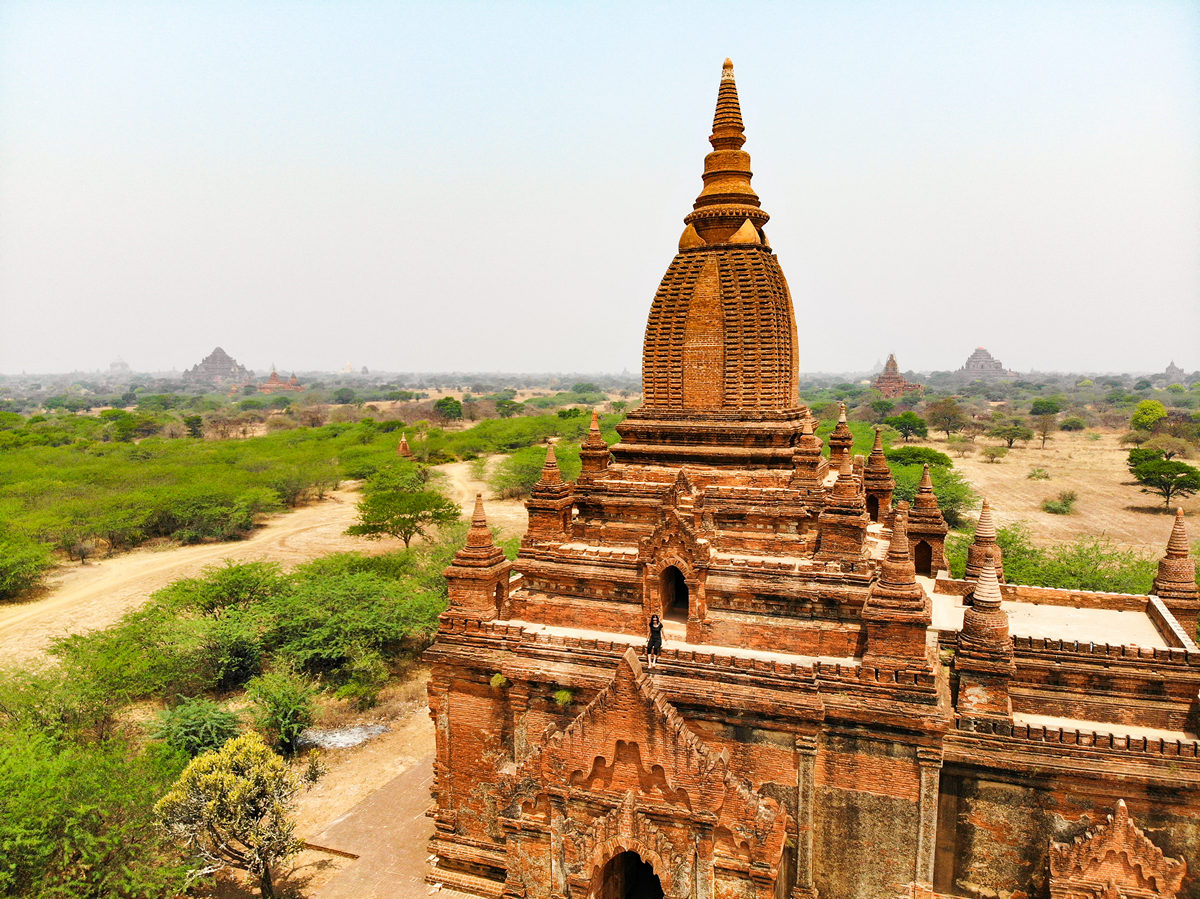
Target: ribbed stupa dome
pixel 722 334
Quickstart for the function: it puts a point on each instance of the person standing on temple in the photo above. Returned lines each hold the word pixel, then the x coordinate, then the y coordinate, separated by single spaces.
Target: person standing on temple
pixel 654 646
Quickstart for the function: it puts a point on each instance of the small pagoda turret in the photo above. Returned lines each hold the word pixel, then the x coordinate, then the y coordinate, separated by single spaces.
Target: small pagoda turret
pixel 1175 583
pixel 550 504
pixel 840 441
pixel 843 523
pixel 878 483
pixel 404 451
pixel 810 467
pixel 477 578
pixel 927 529
pixel 984 658
pixel 983 545
pixel 898 612
pixel 594 454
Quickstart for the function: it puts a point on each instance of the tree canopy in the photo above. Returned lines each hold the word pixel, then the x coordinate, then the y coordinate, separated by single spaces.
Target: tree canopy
pixel 233 807
pixel 909 424
pixel 1167 478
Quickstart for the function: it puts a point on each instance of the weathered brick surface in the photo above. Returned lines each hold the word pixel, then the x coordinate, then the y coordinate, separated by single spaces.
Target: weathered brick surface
pixel 806 737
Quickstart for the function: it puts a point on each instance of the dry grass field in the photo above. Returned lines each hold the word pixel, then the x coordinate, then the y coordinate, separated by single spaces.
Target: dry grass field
pixel 1109 503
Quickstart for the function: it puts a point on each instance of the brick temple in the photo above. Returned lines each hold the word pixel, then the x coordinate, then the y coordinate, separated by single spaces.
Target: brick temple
pixel 891 384
pixel 832 715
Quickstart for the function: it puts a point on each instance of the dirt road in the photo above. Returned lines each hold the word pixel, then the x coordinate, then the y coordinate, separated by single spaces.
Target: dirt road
pixel 83 598
pixel 461 485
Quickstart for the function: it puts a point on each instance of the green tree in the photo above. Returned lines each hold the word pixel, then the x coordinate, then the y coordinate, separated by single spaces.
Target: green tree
pixel 1010 432
pixel 449 408
pixel 994 454
pixel 508 408
pixel 284 700
pixel 1147 415
pixel 23 563
pixel 1044 426
pixel 1170 447
pixel 194 425
pixel 76 819
pixel 402 513
pixel 881 408
pixel 945 415
pixel 343 396
pixel 1045 407
pixel 1167 479
pixel 909 424
pixel 196 725
pixel 585 387
pixel 233 807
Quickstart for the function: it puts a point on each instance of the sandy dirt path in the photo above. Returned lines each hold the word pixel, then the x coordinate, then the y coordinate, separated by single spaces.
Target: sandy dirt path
pixel 461 485
pixel 1109 504
pixel 82 598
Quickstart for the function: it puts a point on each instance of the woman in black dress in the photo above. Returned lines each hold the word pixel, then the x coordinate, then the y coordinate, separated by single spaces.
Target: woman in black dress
pixel 654 647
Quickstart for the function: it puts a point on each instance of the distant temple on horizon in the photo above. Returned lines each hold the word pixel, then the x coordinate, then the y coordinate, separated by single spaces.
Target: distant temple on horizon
pixel 218 367
pixel 833 715
pixel 275 384
pixel 891 384
pixel 983 366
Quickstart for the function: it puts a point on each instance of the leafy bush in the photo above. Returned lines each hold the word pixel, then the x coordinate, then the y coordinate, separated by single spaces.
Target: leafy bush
pixel 23 563
pixel 1038 474
pixel 954 494
pixel 284 703
pixel 1063 504
pixel 918 455
pixel 1072 423
pixel 196 725
pixel 1087 563
pixel 563 698
pixel 994 454
pixel 77 819
pixel 515 476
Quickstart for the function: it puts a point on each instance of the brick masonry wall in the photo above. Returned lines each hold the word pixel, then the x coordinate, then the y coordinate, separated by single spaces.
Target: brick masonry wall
pixel 994 835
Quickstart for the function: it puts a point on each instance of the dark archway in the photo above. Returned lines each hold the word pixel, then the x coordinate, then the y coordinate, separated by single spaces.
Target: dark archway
pixel 499 599
pixel 626 876
pixel 923 558
pixel 873 508
pixel 674 594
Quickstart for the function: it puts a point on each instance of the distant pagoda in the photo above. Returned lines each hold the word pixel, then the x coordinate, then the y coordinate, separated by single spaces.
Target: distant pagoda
pixel 983 366
pixel 891 383
pixel 218 367
pixel 276 384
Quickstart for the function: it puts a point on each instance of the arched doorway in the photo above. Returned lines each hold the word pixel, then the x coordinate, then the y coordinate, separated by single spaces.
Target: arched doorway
pixel 674 594
pixel 873 508
pixel 626 876
pixel 923 558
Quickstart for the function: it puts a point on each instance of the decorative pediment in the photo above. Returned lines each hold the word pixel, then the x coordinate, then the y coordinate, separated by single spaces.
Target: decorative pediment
pixel 1114 861
pixel 676 539
pixel 631 750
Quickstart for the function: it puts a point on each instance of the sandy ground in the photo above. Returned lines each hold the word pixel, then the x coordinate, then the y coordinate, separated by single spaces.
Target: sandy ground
pixel 82 598
pixel 461 485
pixel 1109 503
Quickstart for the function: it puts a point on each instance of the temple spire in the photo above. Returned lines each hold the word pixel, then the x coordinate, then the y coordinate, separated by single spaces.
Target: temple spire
pixel 983 543
pixel 729 133
pixel 1175 583
pixel 550 472
pixel 727 206
pixel 479 534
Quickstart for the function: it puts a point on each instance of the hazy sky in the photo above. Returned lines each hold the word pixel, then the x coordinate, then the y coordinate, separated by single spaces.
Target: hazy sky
pixel 500 186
